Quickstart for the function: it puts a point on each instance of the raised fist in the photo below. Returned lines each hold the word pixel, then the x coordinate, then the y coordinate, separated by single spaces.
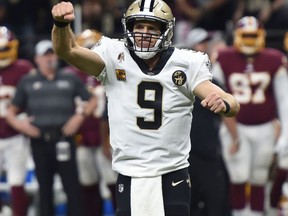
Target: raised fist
pixel 63 12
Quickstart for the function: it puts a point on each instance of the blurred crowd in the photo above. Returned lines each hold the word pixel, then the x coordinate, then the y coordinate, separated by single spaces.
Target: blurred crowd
pixel 202 25
pixel 31 20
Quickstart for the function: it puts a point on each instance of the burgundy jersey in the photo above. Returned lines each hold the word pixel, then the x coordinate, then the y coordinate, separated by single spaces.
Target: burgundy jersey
pixel 9 78
pixel 89 132
pixel 250 80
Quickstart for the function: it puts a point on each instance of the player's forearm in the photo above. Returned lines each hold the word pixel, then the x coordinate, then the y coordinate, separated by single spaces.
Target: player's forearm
pixel 62 35
pixel 90 106
pixel 11 118
pixel 280 82
pixel 231 125
pixel 63 41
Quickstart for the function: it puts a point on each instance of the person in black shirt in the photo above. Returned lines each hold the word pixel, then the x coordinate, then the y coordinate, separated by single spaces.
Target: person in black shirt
pixel 210 180
pixel 208 173
pixel 48 97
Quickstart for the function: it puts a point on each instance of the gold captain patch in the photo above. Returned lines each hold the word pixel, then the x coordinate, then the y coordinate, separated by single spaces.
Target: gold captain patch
pixel 120 74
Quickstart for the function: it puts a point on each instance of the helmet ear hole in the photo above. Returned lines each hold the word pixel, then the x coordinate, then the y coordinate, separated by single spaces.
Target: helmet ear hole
pixel 163 28
pixel 130 24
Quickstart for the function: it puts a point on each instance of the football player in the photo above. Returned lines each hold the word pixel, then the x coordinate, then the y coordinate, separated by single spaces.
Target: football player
pixel 257 77
pixel 14 147
pixel 93 151
pixel 150 87
pixel 281 162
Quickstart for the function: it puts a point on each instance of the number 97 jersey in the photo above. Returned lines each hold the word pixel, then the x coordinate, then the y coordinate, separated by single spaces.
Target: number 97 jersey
pixel 254 81
pixel 150 110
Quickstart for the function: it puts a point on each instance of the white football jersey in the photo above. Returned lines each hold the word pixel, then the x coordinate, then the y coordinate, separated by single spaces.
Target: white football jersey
pixel 150 112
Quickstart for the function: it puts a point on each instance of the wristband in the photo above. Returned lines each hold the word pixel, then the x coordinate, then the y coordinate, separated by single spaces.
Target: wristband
pixel 60 24
pixel 227 105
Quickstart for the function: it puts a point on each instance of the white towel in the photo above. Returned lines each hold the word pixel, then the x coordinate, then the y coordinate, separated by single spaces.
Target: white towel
pixel 147 197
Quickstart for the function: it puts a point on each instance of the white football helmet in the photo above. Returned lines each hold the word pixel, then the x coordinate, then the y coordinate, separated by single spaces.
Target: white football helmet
pixel 249 36
pixel 150 10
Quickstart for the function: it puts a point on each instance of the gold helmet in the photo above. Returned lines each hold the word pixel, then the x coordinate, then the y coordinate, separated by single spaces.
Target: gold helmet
pixel 8 47
pixel 148 10
pixel 88 38
pixel 249 36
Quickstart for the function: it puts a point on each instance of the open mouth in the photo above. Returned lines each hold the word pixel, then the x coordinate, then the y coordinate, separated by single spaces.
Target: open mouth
pixel 144 44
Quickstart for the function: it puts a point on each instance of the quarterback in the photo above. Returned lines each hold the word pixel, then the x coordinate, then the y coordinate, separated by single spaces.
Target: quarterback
pixel 150 88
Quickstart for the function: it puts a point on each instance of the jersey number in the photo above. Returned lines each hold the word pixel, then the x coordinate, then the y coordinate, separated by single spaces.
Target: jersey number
pixel 150 97
pixel 6 94
pixel 249 88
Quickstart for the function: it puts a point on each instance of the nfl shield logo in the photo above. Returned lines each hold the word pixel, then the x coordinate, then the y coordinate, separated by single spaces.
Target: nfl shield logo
pixel 121 188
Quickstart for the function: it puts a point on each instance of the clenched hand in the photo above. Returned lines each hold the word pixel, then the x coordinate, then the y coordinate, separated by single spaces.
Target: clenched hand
pixel 63 12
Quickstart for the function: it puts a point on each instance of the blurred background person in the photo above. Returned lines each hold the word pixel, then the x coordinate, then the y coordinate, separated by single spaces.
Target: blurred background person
pixel 279 175
pixel 208 197
pixel 93 147
pixel 272 13
pixel 48 97
pixel 256 76
pixel 197 39
pixel 202 40
pixel 14 147
pixel 212 15
pixel 280 172
pixel 21 22
pixel 92 13
pixel 104 15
